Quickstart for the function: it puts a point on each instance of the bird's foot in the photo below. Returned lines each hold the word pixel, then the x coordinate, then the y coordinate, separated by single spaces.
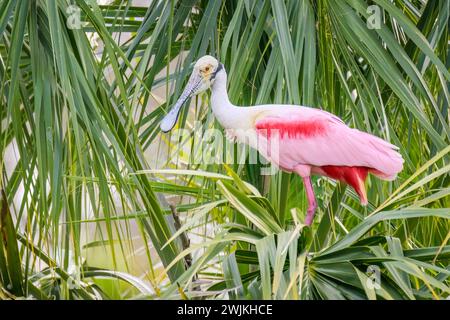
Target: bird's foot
pixel 308 219
pixel 310 215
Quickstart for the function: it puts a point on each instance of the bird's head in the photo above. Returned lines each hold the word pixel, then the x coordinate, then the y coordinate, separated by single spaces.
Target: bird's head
pixel 203 76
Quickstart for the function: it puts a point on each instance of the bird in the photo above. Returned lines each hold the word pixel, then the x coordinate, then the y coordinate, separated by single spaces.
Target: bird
pixel 309 141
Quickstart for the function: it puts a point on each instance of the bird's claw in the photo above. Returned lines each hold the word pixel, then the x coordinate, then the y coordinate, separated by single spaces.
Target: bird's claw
pixel 308 220
pixel 310 214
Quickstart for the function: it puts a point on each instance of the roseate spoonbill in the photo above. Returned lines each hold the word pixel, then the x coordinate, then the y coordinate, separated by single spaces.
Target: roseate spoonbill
pixel 310 141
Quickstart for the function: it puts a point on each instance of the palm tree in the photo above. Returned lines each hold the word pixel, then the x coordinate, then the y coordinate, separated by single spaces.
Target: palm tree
pixel 96 203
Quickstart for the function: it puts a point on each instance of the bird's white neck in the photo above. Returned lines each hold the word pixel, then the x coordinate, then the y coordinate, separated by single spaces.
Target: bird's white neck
pixel 223 109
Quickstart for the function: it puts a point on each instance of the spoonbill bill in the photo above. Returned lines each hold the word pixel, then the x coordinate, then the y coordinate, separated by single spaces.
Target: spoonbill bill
pixel 309 141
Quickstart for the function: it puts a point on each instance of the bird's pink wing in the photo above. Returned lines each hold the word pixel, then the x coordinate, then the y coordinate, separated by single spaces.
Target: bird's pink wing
pixel 318 138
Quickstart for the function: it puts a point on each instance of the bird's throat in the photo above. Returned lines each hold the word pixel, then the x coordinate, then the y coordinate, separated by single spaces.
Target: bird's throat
pixel 223 109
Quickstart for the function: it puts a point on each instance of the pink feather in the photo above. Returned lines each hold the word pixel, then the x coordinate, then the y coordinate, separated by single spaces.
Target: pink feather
pixel 323 142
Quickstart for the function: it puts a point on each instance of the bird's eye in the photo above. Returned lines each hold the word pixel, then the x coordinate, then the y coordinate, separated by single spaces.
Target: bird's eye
pixel 206 69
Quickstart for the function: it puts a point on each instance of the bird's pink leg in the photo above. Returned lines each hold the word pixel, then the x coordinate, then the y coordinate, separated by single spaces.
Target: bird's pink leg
pixel 304 171
pixel 312 204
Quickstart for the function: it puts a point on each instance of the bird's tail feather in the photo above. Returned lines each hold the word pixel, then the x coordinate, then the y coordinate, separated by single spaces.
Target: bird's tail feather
pixel 387 161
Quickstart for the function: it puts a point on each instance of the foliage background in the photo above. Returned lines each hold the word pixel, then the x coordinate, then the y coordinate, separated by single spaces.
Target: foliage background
pixel 87 178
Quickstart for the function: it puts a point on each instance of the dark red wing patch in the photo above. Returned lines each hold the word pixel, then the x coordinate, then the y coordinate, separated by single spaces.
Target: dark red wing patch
pixel 354 176
pixel 292 129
